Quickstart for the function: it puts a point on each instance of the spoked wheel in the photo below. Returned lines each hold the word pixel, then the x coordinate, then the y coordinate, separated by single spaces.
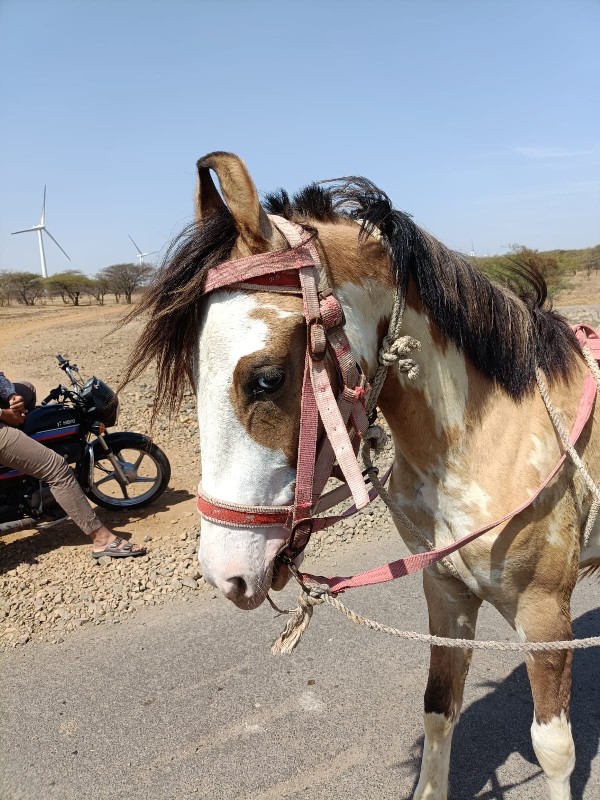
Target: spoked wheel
pixel 144 468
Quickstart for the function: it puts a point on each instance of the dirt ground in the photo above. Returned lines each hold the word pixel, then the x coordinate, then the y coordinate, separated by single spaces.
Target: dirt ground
pixel 30 338
pixel 579 290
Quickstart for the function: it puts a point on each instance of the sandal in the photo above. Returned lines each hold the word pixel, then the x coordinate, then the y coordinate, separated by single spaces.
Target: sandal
pixel 114 550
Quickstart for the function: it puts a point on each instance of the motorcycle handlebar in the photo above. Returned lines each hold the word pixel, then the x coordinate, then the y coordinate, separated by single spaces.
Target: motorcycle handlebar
pixel 54 395
pixel 64 364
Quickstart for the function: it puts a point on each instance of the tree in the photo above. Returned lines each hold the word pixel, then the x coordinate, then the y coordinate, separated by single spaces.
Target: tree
pixel 27 287
pixel 6 290
pixel 69 285
pixel 591 261
pixel 543 263
pixel 98 287
pixel 125 279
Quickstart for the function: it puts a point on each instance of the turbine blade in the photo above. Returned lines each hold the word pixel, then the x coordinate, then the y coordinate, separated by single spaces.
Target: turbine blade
pixel 25 230
pixel 139 252
pixel 55 242
pixel 44 207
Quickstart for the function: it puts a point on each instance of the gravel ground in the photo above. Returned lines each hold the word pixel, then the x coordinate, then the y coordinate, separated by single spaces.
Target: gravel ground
pixel 49 584
pixel 58 592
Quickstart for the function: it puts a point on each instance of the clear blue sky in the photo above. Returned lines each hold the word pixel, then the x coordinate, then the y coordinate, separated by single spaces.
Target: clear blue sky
pixel 479 117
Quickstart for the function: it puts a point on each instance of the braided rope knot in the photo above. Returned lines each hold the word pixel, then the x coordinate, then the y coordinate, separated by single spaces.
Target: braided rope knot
pixel 398 350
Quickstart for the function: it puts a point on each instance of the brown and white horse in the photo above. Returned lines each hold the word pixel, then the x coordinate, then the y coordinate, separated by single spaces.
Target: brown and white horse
pixel 472 436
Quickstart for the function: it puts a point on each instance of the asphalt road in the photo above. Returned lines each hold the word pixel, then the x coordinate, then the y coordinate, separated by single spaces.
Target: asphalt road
pixel 186 701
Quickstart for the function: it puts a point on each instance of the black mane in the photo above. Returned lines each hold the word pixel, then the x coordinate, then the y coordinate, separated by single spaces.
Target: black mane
pixel 506 327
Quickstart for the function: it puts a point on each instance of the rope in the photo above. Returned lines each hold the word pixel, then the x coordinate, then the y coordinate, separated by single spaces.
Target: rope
pixel 566 443
pixel 393 348
pixel 301 616
pixel 396 348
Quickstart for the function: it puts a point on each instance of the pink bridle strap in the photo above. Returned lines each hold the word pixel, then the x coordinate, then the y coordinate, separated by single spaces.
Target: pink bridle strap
pixel 414 563
pixel 245 270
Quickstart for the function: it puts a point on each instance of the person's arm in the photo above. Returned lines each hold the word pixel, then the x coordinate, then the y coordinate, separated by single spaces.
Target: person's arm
pixel 7 388
pixel 11 417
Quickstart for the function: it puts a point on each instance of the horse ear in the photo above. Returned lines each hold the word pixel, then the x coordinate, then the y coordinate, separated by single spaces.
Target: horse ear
pixel 239 196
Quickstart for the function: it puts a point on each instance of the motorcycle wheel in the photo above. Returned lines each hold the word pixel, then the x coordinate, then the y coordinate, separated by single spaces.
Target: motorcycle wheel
pixel 144 464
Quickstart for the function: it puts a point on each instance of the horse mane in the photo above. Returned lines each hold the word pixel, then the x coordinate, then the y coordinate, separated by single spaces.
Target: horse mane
pixel 505 326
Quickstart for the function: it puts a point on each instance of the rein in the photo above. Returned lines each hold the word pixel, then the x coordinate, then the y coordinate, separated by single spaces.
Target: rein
pixel 590 345
pixel 320 589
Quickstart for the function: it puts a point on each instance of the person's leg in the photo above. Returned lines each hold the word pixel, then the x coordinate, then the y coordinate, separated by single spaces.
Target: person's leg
pixel 18 451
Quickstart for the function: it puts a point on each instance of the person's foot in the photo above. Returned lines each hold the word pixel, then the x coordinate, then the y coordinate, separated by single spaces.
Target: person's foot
pixel 119 548
pixel 106 543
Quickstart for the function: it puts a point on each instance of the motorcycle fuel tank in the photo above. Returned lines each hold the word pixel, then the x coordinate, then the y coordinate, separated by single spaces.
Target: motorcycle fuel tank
pixel 51 423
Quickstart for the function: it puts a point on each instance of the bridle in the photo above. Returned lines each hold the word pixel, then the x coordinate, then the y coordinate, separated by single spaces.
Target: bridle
pixel 298 270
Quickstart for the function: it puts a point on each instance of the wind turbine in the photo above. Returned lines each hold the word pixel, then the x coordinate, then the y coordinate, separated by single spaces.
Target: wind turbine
pixel 41 228
pixel 141 255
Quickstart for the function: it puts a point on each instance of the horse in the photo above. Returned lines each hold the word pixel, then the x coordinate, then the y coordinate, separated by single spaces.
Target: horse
pixel 472 436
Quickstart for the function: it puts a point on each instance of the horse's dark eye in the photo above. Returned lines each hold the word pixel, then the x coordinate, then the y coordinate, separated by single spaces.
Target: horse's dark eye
pixel 268 381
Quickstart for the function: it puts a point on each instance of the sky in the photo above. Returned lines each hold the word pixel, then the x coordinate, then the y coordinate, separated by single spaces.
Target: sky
pixel 481 118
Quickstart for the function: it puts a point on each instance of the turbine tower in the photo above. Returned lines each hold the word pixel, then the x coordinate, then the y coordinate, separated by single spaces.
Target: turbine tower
pixel 141 255
pixel 40 229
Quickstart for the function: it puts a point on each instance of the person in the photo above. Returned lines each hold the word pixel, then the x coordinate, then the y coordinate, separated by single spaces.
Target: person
pixel 19 451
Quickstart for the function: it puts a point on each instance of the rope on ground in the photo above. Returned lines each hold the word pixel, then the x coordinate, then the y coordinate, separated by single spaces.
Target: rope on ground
pixel 301 616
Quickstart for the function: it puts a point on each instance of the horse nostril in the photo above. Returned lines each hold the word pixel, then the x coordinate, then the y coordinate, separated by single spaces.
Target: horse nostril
pixel 235 587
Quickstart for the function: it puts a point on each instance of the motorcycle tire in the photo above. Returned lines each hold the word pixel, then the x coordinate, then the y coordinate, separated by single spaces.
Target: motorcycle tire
pixel 144 464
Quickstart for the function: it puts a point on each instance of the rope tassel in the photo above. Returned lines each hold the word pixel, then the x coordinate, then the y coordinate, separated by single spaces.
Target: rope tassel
pixel 298 622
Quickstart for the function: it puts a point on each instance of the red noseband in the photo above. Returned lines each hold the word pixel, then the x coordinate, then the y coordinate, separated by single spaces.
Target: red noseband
pixel 239 516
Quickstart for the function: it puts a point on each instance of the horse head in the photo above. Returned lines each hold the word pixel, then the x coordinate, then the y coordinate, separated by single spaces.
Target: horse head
pixel 251 378
pixel 249 382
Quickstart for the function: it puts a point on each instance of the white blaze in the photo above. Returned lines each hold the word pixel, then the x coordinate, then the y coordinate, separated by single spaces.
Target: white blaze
pixel 235 468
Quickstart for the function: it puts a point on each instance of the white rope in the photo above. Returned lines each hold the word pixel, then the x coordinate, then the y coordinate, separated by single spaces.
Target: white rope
pixel 302 615
pixel 393 348
pixel 396 348
pixel 566 443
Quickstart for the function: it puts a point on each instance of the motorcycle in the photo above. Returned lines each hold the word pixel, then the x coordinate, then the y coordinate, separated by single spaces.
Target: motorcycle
pixel 120 470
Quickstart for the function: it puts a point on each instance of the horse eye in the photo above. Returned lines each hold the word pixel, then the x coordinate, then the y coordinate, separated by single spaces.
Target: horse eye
pixel 269 381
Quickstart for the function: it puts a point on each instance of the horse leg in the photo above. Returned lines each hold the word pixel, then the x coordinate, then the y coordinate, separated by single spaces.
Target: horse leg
pixel 452 612
pixel 544 617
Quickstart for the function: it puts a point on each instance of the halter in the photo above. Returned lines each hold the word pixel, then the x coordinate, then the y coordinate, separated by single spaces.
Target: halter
pixel 298 270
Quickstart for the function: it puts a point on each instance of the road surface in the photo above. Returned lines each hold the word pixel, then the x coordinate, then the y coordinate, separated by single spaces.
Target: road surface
pixel 185 701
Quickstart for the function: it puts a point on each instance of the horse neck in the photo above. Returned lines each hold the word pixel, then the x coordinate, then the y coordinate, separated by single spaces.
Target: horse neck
pixel 431 409
pixel 429 415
